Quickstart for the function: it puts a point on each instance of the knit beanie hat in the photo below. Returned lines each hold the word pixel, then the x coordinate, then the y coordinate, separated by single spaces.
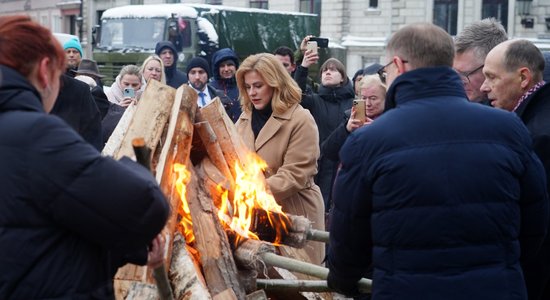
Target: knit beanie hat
pixel 73 43
pixel 198 62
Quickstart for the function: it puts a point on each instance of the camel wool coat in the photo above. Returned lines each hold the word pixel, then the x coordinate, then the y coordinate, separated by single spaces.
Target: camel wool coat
pixel 289 143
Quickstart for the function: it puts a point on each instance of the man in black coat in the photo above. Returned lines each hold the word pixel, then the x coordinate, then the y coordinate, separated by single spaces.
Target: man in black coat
pixel 78 108
pixel 513 81
pixel 167 52
pixel 88 67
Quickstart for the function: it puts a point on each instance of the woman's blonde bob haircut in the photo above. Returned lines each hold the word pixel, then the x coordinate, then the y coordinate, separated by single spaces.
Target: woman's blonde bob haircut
pixel 157 58
pixel 286 92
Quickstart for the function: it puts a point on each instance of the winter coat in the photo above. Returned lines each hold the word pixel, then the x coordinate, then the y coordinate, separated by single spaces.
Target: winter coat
pixel 174 77
pixel 67 214
pixel 328 108
pixel 228 86
pixel 535 114
pixel 76 105
pixel 289 144
pixel 439 194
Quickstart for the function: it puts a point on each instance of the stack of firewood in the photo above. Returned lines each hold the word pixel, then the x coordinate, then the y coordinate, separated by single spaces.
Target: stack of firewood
pixel 220 263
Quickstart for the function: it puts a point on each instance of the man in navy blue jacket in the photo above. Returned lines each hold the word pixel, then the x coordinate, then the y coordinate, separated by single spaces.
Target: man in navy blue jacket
pixel 439 194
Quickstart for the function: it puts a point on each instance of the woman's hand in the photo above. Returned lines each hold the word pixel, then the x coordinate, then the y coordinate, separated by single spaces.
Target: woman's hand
pixel 303 44
pixel 127 101
pixel 155 256
pixel 310 58
pixel 354 123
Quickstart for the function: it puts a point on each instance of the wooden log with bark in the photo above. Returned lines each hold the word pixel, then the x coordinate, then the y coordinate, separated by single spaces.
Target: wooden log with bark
pixel 211 241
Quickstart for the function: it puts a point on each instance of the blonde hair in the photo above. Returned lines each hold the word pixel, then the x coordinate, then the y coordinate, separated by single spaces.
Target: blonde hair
pixel 157 58
pixel 371 80
pixel 286 92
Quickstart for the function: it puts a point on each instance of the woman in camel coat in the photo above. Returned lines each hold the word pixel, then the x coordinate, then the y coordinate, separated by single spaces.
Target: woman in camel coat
pixel 280 131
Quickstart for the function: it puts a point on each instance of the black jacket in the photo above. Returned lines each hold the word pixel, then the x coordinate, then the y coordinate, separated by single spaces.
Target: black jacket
pixel 67 214
pixel 174 77
pixel 78 108
pixel 328 108
pixel 535 114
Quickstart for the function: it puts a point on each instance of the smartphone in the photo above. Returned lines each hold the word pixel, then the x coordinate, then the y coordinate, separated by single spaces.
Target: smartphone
pixel 360 109
pixel 312 46
pixel 129 93
pixel 321 42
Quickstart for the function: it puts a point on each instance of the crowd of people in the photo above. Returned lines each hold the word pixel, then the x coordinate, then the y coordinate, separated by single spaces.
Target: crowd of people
pixel 429 170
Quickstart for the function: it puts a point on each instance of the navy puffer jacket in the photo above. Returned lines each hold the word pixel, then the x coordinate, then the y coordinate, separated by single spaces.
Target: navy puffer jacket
pixel 439 195
pixel 67 214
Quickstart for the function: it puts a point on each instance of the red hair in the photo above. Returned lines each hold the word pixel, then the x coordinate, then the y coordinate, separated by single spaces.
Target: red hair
pixel 24 43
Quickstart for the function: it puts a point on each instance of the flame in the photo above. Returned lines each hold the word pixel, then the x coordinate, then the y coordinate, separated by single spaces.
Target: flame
pixel 251 194
pixel 239 214
pixel 182 179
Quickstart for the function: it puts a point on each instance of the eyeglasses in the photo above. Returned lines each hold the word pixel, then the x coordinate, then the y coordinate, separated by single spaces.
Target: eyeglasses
pixel 382 71
pixel 465 76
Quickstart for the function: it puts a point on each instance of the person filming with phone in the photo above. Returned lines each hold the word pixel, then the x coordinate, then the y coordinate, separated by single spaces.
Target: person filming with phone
pixel 328 106
pixel 127 86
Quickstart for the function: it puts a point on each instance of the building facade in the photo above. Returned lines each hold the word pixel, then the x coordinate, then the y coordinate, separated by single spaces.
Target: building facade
pixel 361 27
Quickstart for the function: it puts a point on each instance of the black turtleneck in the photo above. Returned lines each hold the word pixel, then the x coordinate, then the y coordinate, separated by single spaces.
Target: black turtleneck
pixel 259 118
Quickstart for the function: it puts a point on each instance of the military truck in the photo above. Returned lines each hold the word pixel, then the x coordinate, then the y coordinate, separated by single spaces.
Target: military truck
pixel 128 34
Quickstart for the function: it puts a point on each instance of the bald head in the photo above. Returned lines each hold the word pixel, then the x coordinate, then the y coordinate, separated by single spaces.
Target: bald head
pixel 511 69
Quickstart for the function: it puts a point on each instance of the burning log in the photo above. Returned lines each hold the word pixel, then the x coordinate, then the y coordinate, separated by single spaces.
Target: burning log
pixel 177 149
pixel 147 119
pixel 219 267
pixel 299 229
pixel 185 272
pixel 143 156
pixel 214 149
pixel 232 146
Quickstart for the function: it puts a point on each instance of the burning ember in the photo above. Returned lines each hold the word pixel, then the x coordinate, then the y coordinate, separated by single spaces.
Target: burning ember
pixel 252 206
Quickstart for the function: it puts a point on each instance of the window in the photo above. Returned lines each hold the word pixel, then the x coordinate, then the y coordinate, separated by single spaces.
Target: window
pixel 310 6
pixel 136 2
pixel 259 4
pixel 445 15
pixel 373 3
pixel 214 2
pixel 497 9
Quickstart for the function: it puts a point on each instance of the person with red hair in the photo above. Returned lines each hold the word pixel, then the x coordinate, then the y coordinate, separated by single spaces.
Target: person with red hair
pixel 65 227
